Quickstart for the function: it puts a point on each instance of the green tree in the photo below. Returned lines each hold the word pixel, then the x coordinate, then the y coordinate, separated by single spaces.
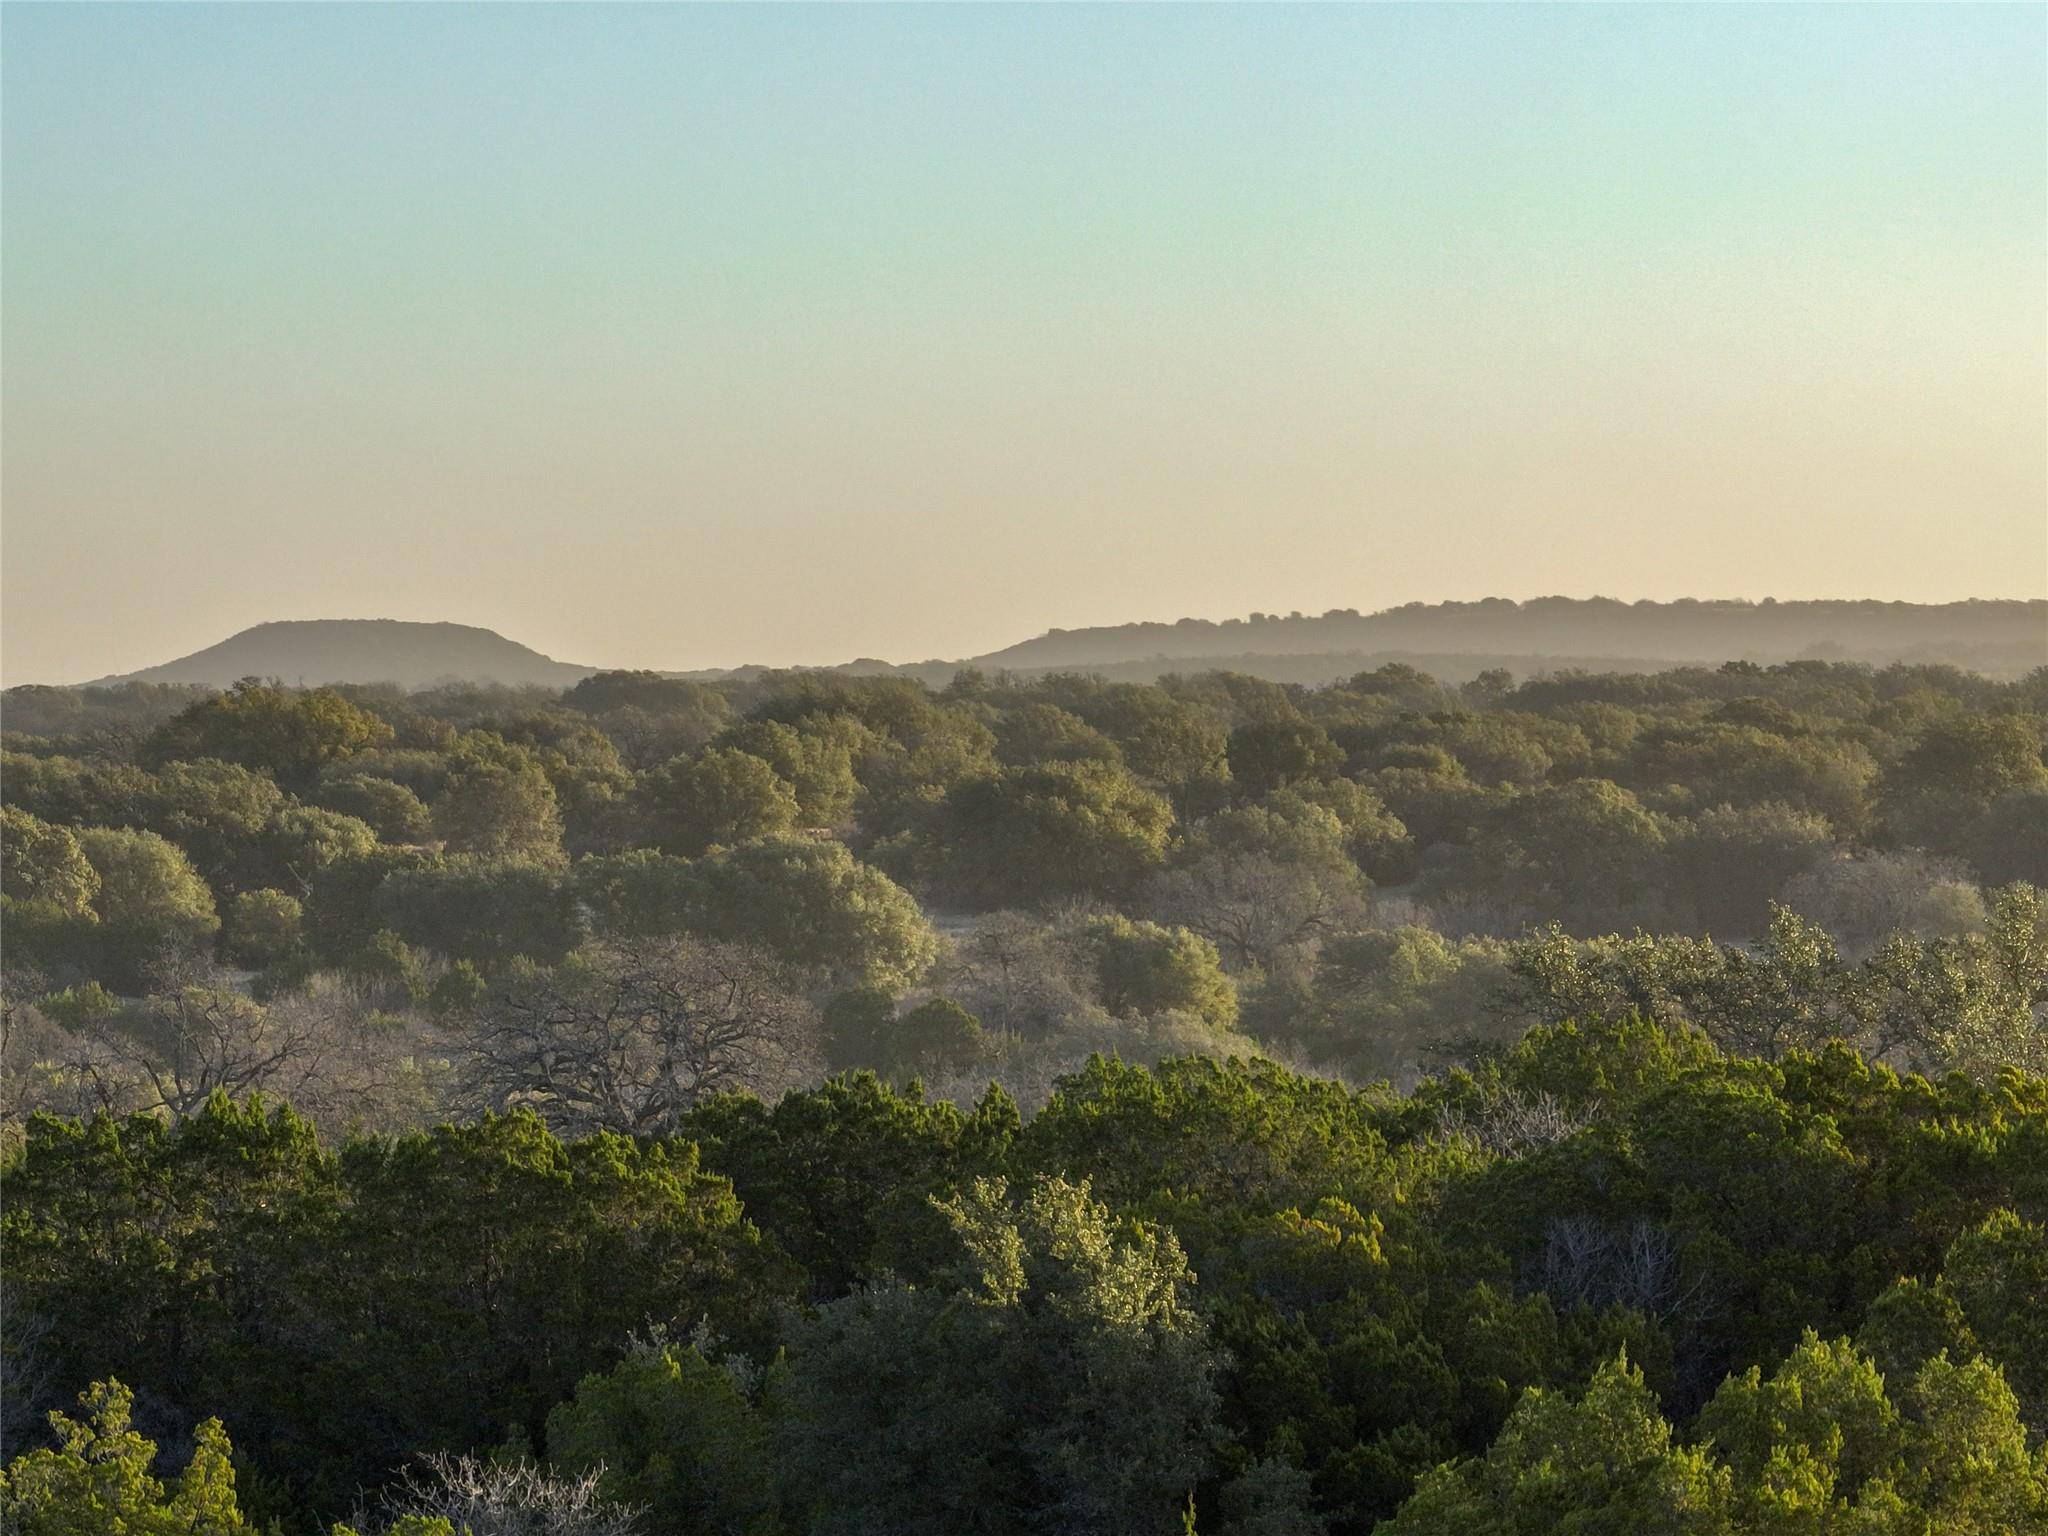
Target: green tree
pixel 1586 854
pixel 482 910
pixel 938 1037
pixel 1601 1464
pixel 1266 755
pixel 815 758
pixel 840 1176
pixel 817 907
pixel 636 894
pixel 1166 741
pixel 146 880
pixel 1059 1375
pixel 1387 1000
pixel 718 798
pixel 389 808
pixel 150 900
pixel 1145 968
pixel 1962 766
pixel 1733 861
pixel 96 1480
pixel 289 734
pixel 1032 836
pixel 262 928
pixel 674 1434
pixel 1822 1444
pixel 857 1022
pixel 1259 881
pixel 46 864
pixel 498 803
pixel 490 1267
pixel 1998 1274
pixel 1045 733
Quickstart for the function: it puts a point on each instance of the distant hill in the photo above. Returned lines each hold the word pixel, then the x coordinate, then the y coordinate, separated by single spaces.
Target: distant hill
pixel 313 651
pixel 1992 637
pixel 1451 641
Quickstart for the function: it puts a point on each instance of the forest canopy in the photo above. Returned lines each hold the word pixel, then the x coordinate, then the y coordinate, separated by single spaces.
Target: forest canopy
pixel 805 1102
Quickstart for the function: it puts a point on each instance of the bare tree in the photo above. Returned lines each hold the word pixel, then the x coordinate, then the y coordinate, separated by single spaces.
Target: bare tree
pixel 49 1067
pixel 374 1068
pixel 1017 974
pixel 487 1498
pixel 1510 1123
pixel 1253 905
pixel 184 1046
pixel 1589 1263
pixel 629 1036
pixel 27 1372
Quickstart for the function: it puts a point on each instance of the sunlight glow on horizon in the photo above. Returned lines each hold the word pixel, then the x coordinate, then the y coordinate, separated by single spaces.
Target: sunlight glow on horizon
pixel 694 336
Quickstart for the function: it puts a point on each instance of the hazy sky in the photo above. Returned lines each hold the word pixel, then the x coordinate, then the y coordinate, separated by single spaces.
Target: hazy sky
pixel 697 336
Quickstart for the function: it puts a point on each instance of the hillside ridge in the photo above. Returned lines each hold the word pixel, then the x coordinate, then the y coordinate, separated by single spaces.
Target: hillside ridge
pixel 1995 636
pixel 413 654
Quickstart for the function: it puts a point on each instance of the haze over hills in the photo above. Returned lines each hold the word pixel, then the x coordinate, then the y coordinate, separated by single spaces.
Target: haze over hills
pixel 1451 640
pixel 313 651
pixel 1688 630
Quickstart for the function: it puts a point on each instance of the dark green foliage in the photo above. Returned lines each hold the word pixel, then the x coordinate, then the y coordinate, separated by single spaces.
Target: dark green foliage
pixel 1057 1375
pixel 1029 835
pixel 1266 755
pixel 488 912
pixel 840 1175
pixel 675 1435
pixel 487 1269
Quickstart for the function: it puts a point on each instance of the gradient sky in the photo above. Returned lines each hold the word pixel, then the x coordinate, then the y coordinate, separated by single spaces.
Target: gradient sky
pixel 695 336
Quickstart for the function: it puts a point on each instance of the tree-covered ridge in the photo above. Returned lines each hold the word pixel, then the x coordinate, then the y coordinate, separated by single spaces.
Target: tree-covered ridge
pixel 1988 635
pixel 1610 1279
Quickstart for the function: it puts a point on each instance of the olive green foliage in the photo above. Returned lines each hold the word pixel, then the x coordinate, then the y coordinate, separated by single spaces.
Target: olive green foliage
pixel 289 734
pixel 1262 817
pixel 390 809
pixel 146 882
pixel 1973 1003
pixel 498 803
pixel 721 797
pixel 262 927
pixel 1264 882
pixel 815 758
pixel 1145 968
pixel 817 907
pixel 43 863
pixel 1029 835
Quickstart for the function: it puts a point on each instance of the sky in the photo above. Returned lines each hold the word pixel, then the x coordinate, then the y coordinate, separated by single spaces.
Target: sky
pixel 697 336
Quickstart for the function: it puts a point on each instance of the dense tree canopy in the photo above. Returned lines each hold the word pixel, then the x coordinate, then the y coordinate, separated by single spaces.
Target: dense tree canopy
pixel 1662 1145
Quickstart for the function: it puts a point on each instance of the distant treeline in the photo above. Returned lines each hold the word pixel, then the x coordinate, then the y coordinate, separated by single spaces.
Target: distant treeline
pixel 1335 873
